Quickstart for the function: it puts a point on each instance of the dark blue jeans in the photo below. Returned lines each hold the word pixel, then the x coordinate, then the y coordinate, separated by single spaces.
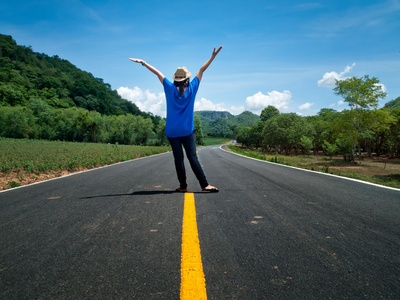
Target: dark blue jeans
pixel 189 143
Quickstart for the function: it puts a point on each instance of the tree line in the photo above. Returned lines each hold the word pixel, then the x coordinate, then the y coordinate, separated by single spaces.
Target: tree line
pixel 38 121
pixel 362 128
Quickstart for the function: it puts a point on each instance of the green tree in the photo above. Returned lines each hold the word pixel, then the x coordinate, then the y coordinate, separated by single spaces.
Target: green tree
pixel 306 143
pixel 268 113
pixel 344 144
pixel 330 149
pixel 44 118
pixel 284 132
pixel 393 141
pixel 362 94
pixel 323 130
pixel 142 129
pixel 160 131
pixel 66 123
pixel 243 136
pixel 220 127
pixel 256 136
pixel 199 132
pixel 16 122
pixel 12 94
pixel 376 128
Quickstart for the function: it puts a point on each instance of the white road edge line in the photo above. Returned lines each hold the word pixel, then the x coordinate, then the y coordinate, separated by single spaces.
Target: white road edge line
pixel 315 172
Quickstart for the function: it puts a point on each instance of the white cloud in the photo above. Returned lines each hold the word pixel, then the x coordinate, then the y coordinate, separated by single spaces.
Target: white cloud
pixel 236 110
pixel 329 78
pixel 341 102
pixel 204 104
pixel 306 105
pixel 145 100
pixel 382 86
pixel 259 101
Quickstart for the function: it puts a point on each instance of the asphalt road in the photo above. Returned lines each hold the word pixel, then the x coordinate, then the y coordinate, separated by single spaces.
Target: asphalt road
pixel 272 232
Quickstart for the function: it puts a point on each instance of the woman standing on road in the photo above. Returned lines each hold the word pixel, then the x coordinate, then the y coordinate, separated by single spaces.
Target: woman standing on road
pixel 179 127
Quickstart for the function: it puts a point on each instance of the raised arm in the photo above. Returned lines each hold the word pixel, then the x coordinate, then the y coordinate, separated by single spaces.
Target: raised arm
pixel 150 67
pixel 207 63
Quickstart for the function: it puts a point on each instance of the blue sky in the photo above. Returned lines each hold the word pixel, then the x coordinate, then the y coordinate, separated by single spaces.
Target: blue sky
pixel 282 53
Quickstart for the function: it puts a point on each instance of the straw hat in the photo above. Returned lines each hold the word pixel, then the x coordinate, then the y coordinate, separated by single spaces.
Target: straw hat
pixel 182 74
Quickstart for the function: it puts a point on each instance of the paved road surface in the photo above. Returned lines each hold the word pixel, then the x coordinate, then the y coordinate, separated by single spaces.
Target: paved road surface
pixel 271 233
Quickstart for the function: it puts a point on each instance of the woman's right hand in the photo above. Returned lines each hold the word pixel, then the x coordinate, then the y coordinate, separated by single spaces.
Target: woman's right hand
pixel 137 60
pixel 151 68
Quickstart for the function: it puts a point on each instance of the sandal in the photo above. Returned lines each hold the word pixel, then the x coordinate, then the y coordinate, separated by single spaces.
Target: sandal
pixel 181 190
pixel 211 189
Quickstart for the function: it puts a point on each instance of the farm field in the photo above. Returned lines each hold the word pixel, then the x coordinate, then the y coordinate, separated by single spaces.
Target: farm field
pixel 24 161
pixel 378 170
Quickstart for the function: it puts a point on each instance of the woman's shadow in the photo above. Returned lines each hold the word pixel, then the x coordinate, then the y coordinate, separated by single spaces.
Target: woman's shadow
pixel 138 193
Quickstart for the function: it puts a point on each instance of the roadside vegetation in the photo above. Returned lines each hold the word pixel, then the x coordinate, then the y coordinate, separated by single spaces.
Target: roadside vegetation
pixel 376 170
pixel 24 161
pixel 361 142
pixel 362 130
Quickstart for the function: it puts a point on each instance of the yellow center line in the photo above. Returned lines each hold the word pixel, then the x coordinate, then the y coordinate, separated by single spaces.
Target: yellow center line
pixel 193 285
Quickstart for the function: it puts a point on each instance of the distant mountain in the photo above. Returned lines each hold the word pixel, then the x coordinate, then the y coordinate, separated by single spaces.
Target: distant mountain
pixel 212 115
pixel 393 104
pixel 223 123
pixel 246 118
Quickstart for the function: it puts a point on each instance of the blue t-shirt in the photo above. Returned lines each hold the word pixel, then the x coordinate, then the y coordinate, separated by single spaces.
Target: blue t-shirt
pixel 180 109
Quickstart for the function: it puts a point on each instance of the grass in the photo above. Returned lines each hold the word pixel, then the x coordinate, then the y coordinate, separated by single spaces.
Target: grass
pixel 381 171
pixel 208 141
pixel 26 161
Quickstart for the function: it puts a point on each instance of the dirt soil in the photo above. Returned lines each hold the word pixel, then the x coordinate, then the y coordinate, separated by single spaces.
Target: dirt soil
pixel 370 166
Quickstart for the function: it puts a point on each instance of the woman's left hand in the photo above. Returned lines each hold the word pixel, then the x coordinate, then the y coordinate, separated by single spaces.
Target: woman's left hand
pixel 215 52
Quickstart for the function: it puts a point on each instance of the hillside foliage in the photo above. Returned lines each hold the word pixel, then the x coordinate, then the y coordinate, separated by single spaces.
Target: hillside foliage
pixel 26 75
pixel 45 97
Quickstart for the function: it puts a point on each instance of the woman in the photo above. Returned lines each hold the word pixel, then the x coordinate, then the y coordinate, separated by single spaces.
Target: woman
pixel 179 127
